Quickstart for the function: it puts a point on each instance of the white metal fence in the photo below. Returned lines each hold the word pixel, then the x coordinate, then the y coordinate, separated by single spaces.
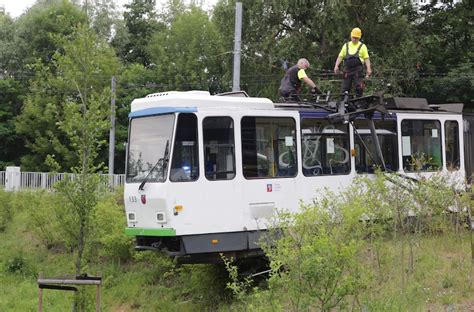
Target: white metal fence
pixel 45 180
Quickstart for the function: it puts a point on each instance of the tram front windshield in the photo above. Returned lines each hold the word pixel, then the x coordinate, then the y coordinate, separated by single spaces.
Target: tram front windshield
pixel 149 148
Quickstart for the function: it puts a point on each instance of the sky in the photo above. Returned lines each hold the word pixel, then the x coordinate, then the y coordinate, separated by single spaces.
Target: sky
pixel 17 7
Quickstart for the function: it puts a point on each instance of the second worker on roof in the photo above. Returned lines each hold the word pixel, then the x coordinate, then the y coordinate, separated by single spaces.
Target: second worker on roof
pixel 355 55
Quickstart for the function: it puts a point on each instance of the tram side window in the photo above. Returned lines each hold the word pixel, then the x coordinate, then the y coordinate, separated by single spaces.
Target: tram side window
pixel 325 147
pixel 421 145
pixel 219 151
pixel 185 163
pixel 451 129
pixel 366 158
pixel 268 147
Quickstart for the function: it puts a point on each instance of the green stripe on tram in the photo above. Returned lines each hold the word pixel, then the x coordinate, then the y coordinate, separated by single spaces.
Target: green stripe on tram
pixel 150 232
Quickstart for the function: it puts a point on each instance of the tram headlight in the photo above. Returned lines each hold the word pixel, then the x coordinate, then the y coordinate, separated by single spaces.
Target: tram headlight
pixel 132 217
pixel 160 217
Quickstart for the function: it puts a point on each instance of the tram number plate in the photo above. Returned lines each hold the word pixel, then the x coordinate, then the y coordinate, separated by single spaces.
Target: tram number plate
pixel 133 199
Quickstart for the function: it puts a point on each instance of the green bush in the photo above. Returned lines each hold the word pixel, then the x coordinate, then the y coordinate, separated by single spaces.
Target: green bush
pixel 315 263
pixel 108 239
pixel 25 200
pixel 48 220
pixel 42 209
pixel 19 264
pixel 41 206
pixel 16 264
pixel 328 254
pixel 239 286
pixel 6 209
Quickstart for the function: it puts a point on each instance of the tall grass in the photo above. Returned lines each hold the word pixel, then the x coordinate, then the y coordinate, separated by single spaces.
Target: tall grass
pixel 383 244
pixel 132 281
pixel 382 262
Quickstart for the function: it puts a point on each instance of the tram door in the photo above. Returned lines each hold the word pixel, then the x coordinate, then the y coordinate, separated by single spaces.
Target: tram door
pixel 184 175
pixel 220 198
pixel 203 175
pixel 269 165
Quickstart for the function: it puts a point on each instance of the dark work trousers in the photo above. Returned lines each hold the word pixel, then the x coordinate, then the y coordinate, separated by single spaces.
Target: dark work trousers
pixel 290 95
pixel 355 76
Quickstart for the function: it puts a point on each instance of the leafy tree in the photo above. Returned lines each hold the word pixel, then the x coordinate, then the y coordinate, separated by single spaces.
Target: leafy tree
pixel 454 86
pixel 104 17
pixel 189 60
pixel 44 108
pixel 42 24
pixel 140 24
pixel 12 144
pixel 85 121
pixel 9 52
pixel 11 92
pixel 445 35
pixel 387 24
pixel 171 9
pixel 280 32
pixel 23 41
pixel 37 122
pixel 37 38
pixel 445 42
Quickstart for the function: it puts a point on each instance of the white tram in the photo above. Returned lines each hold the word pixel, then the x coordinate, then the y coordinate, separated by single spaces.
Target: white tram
pixel 205 174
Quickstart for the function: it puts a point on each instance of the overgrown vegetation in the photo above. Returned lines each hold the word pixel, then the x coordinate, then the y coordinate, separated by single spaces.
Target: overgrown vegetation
pixel 376 247
pixel 34 241
pixel 369 247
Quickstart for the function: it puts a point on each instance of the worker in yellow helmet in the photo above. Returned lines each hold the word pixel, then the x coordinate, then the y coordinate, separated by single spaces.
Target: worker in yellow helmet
pixel 355 55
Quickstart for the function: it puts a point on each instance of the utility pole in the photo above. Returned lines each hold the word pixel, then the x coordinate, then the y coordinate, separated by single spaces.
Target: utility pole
pixel 237 45
pixel 112 131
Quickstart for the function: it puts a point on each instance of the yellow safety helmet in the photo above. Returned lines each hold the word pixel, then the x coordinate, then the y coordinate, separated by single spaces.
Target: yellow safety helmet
pixel 356 32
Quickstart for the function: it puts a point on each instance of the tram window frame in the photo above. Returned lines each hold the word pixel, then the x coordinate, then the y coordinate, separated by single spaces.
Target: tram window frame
pixel 363 162
pixel 261 152
pixel 151 141
pixel 216 161
pixel 425 162
pixel 324 166
pixel 185 138
pixel 455 151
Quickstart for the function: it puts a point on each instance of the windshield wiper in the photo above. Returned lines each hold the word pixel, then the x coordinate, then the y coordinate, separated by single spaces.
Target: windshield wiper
pixel 163 161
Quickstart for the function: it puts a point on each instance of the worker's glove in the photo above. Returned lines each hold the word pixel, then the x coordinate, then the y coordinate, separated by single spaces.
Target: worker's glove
pixel 315 90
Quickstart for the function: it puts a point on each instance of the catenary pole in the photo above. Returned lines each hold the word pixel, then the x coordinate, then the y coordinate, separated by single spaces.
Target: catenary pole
pixel 112 130
pixel 237 46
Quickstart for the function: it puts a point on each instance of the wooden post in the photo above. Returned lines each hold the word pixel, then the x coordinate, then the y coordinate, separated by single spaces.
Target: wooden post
pixel 97 299
pixel 40 295
pixel 97 294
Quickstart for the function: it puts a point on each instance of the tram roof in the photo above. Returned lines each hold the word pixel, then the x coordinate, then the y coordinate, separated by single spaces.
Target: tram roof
pixel 198 99
pixel 180 101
